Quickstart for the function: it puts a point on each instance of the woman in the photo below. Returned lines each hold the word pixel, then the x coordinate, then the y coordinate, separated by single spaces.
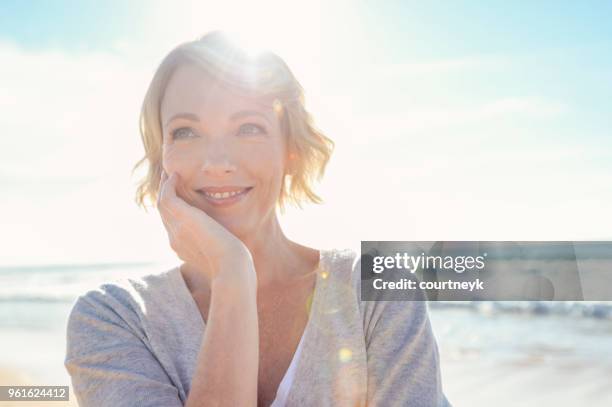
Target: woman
pixel 250 318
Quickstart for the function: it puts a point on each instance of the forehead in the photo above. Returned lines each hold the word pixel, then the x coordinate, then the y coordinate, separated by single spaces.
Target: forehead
pixel 192 90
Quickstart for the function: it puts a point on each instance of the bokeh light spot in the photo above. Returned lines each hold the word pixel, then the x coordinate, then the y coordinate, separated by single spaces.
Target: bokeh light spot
pixel 345 355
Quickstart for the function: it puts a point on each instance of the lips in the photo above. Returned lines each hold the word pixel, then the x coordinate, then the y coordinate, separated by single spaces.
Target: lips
pixel 224 196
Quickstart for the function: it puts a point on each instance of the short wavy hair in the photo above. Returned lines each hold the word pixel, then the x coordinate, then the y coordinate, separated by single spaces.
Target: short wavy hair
pixel 263 74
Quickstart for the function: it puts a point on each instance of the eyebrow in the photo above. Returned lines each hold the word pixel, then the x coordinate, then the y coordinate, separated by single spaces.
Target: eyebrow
pixel 238 115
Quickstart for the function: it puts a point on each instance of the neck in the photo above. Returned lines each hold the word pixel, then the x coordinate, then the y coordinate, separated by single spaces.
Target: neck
pixel 276 258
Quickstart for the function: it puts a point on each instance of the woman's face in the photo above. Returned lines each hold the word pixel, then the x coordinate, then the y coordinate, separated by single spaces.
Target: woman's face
pixel 222 142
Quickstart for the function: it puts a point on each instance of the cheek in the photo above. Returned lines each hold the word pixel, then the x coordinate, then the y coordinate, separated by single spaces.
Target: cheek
pixel 267 160
pixel 179 159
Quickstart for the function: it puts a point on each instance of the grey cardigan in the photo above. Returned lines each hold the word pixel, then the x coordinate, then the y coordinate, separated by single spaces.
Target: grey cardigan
pixel 134 342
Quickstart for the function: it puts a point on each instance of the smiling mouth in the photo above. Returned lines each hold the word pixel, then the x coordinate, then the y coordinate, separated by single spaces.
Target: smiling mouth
pixel 224 196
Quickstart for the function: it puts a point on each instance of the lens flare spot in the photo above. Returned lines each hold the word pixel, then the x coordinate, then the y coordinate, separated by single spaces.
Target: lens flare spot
pixel 277 106
pixel 324 274
pixel 345 355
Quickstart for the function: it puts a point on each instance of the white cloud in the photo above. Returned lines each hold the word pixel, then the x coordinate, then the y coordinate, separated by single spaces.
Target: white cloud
pixel 388 123
pixel 67 115
pixel 69 139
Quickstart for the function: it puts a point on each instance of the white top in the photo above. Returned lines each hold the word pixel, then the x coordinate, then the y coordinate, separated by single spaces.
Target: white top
pixel 285 384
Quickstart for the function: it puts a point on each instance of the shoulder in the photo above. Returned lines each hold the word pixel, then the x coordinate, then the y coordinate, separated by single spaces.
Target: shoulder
pixel 113 354
pixel 341 268
pixel 132 292
pixel 341 262
pixel 122 302
pixel 380 317
pixel 408 316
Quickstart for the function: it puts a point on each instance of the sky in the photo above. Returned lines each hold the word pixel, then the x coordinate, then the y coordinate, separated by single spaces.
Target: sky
pixel 452 120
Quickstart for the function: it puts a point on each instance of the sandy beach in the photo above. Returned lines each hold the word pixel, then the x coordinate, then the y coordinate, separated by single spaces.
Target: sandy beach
pixel 535 381
pixel 524 360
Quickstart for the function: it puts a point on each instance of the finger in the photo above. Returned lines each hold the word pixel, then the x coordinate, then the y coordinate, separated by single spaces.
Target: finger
pixel 183 193
pixel 169 223
pixel 171 202
pixel 166 222
pixel 162 207
pixel 184 252
pixel 180 217
pixel 162 180
pixel 166 218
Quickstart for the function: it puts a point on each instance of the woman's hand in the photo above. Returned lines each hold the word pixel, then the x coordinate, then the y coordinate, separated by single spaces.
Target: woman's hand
pixel 228 361
pixel 197 238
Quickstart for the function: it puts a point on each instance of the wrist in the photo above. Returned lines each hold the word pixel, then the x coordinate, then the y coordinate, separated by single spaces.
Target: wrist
pixel 237 273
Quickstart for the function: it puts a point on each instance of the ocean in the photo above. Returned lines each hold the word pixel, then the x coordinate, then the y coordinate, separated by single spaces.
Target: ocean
pixel 34 306
pixel 35 303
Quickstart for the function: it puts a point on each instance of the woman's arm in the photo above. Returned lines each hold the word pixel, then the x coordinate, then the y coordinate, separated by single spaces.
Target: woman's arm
pixel 108 356
pixel 402 353
pixel 112 364
pixel 227 365
pixel 403 360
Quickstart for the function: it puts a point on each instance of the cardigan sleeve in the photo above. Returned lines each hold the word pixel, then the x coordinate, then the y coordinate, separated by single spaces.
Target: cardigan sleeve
pixel 402 354
pixel 107 357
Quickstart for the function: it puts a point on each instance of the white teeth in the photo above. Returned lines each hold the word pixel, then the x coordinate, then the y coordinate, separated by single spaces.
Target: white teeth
pixel 222 195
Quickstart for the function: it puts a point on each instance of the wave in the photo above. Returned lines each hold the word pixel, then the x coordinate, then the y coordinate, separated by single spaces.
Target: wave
pixel 62 283
pixel 591 309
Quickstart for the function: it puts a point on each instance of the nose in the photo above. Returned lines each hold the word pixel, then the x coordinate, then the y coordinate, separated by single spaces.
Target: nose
pixel 217 161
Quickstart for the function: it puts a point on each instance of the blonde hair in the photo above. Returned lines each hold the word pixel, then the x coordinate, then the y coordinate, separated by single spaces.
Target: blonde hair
pixel 264 74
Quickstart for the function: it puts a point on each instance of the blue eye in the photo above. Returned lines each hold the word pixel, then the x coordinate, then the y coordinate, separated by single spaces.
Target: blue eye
pixel 182 133
pixel 252 128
